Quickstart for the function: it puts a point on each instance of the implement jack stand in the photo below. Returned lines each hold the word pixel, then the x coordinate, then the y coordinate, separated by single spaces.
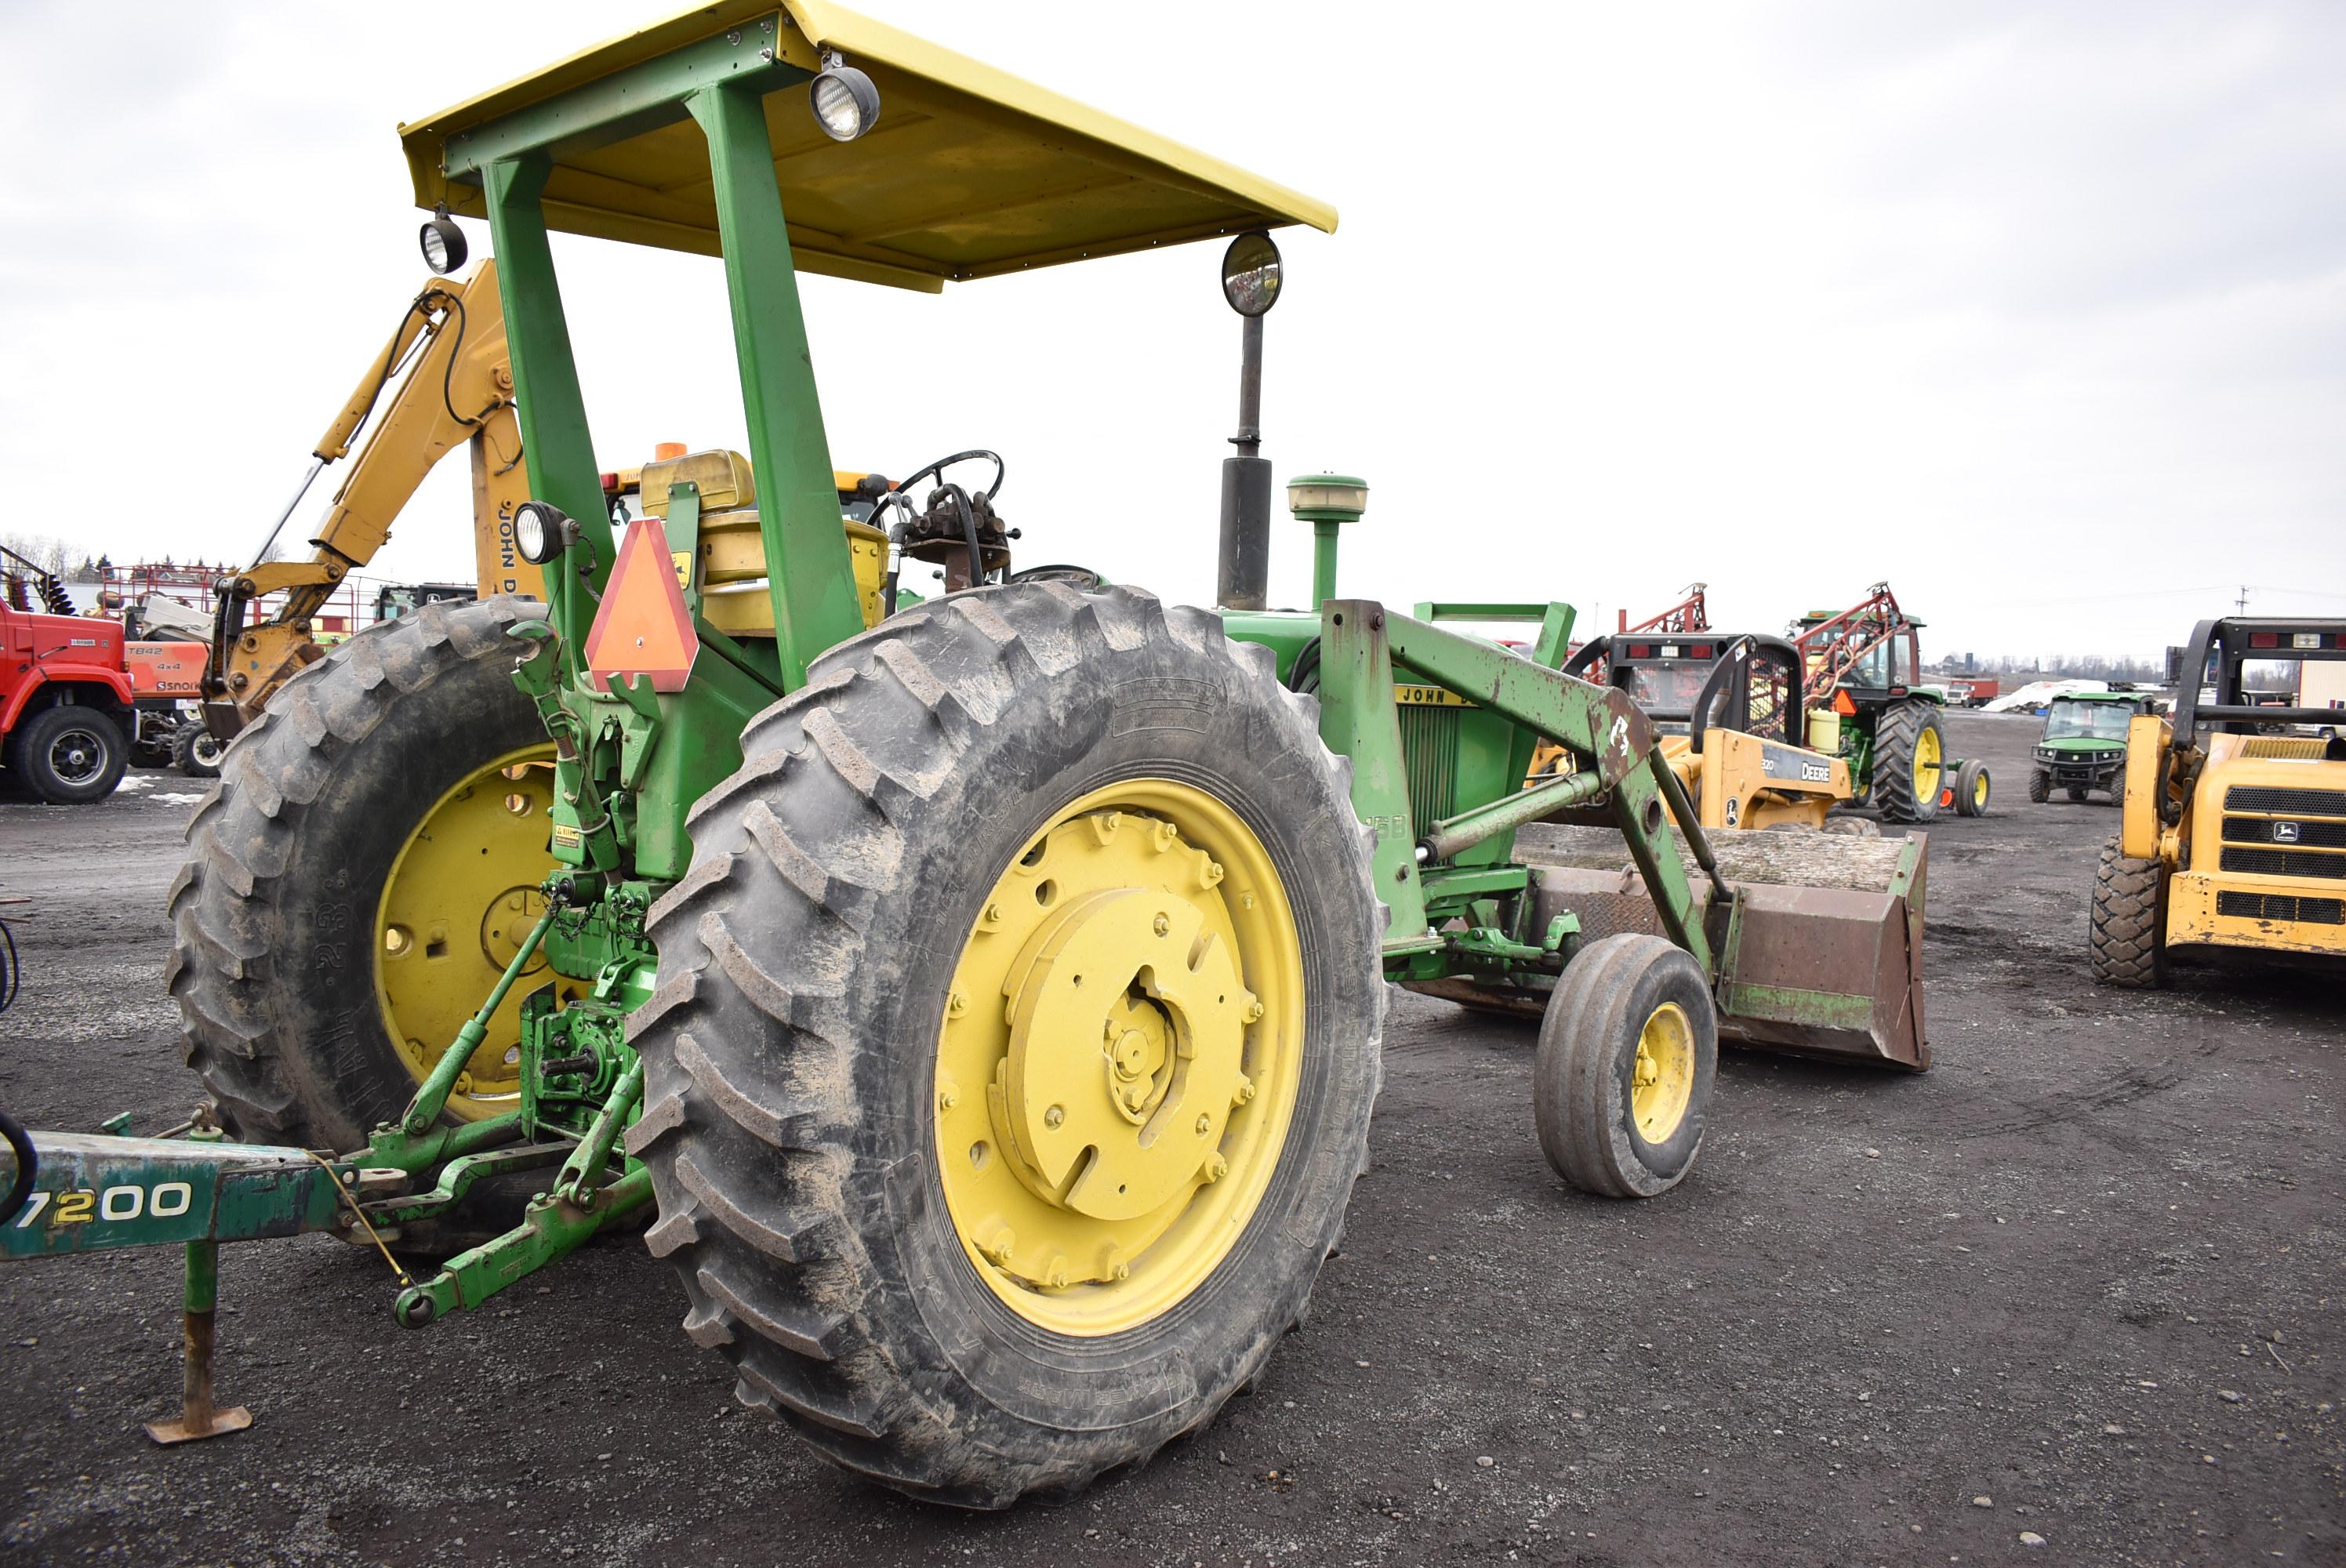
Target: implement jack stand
pixel 199 1418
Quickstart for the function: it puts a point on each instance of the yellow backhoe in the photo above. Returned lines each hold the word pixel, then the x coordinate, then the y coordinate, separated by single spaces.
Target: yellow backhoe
pixel 458 391
pixel 456 388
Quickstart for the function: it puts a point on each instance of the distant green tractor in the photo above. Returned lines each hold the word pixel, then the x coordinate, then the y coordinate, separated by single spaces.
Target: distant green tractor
pixel 2083 745
pixel 1869 707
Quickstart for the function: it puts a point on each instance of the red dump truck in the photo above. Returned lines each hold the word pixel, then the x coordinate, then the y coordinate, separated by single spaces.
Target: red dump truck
pixel 75 697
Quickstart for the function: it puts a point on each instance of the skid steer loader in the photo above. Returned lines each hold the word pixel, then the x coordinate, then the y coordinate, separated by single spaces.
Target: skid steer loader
pixel 980 1004
pixel 2232 840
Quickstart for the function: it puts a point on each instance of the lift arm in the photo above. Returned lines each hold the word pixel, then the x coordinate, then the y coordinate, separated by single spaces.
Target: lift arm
pixel 457 392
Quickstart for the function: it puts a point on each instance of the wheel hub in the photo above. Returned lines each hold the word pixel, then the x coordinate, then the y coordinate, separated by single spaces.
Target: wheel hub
pixel 1661 1080
pixel 459 899
pixel 77 757
pixel 1127 1025
pixel 1120 1056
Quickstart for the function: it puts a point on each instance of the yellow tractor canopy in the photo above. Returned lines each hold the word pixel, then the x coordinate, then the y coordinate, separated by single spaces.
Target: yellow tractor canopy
pixel 969 173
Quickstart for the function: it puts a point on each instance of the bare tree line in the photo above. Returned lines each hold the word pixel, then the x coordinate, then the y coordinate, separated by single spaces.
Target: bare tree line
pixel 2064 667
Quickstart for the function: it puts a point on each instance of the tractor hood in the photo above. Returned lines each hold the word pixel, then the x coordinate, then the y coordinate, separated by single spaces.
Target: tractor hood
pixel 969 173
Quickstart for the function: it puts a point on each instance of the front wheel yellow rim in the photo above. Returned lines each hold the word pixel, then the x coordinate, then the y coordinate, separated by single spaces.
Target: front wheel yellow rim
pixel 460 896
pixel 1662 1081
pixel 1928 759
pixel 1119 1061
pixel 1979 792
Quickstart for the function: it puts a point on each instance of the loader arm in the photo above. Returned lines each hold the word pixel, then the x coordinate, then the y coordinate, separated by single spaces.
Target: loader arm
pixel 456 390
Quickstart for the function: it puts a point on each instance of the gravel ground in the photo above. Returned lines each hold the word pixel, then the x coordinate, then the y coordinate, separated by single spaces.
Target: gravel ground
pixel 2069 1297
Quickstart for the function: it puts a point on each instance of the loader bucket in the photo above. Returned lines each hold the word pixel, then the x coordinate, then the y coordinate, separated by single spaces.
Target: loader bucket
pixel 1822 954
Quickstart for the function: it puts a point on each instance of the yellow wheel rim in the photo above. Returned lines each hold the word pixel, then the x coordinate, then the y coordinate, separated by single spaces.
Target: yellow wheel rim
pixel 1979 792
pixel 1662 1082
pixel 460 898
pixel 1122 1046
pixel 1927 758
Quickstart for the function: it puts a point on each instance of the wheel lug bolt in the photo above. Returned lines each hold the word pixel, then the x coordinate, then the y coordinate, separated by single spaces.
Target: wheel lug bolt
pixel 1054 1117
pixel 1205 1125
pixel 1162 925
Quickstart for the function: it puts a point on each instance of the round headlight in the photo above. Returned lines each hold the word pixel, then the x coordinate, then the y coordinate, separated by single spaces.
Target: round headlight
pixel 540 532
pixel 444 244
pixel 1251 274
pixel 846 104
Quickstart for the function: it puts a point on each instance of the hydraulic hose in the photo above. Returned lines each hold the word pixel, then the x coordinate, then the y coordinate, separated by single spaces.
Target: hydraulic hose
pixel 28 1166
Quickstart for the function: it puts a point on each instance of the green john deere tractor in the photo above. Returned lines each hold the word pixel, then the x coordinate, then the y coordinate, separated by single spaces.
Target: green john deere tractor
pixel 979 1000
pixel 1869 706
pixel 2083 745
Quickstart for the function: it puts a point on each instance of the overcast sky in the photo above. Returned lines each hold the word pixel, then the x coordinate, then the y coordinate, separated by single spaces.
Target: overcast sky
pixel 2037 310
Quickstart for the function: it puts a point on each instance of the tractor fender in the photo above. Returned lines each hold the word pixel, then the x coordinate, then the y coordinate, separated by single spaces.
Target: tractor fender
pixel 92 685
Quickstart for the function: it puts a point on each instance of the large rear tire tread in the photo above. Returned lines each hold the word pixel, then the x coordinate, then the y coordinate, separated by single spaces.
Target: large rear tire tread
pixel 273 935
pixel 788 1095
pixel 2127 933
pixel 1895 738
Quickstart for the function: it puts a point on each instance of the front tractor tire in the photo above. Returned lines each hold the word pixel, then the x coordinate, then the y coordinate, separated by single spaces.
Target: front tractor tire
pixel 361 873
pixel 1910 755
pixel 1973 788
pixel 1016 1038
pixel 1628 1053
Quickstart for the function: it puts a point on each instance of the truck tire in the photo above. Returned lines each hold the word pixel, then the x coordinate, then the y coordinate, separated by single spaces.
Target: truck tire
pixel 891 1242
pixel 299 1005
pixel 2127 933
pixel 1972 787
pixel 1628 1051
pixel 68 755
pixel 2040 785
pixel 1909 756
pixel 194 750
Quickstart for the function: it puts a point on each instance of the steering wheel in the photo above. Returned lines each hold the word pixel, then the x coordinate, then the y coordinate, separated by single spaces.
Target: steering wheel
pixel 936 470
pixel 899 497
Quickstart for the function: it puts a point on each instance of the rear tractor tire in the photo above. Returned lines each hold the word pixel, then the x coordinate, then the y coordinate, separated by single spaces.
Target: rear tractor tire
pixel 1015 1037
pixel 2129 931
pixel 2040 785
pixel 1972 787
pixel 1909 762
pixel 1628 1053
pixel 366 868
